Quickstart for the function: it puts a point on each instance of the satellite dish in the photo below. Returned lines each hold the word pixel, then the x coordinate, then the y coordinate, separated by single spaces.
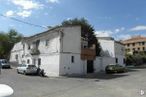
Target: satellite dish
pixel 5 90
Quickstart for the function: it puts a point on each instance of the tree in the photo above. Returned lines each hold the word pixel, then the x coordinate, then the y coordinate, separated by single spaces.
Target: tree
pixel 136 59
pixel 7 41
pixel 87 31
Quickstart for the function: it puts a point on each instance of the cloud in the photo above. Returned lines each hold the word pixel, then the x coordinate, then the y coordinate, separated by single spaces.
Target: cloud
pixel 109 33
pixel 104 33
pixel 119 29
pixel 53 1
pixel 123 36
pixel 138 28
pixel 9 13
pixel 24 13
pixel 27 4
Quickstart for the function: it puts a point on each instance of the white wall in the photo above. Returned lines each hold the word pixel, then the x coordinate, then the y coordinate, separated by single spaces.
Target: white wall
pixel 107 47
pixel 71 46
pixel 72 39
pixel 101 62
pixel 120 53
pixel 50 64
pixel 69 68
pixel 16 50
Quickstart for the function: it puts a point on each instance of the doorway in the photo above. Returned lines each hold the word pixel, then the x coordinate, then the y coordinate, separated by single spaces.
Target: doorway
pixel 90 66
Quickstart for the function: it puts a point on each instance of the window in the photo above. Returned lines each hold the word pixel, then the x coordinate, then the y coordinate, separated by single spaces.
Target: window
pixel 39 61
pixel 23 56
pixel 133 44
pixel 124 61
pixel 47 42
pixel 143 43
pixel 16 57
pixel 23 46
pixel 128 45
pixel 28 47
pixel 133 49
pixel 72 59
pixel 116 60
pixel 138 48
pixel 28 61
pixel 34 61
pixel 144 48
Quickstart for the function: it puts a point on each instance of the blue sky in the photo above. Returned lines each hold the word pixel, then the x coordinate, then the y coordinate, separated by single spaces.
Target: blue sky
pixel 120 19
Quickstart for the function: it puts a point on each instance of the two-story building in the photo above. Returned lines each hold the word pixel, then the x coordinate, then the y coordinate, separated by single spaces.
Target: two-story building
pixel 59 51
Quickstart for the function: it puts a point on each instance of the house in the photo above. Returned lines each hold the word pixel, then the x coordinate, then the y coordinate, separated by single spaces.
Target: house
pixel 62 51
pixel 135 44
pixel 59 51
pixel 112 52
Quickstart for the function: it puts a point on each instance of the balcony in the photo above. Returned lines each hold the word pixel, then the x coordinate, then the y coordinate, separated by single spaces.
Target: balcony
pixel 88 54
pixel 34 52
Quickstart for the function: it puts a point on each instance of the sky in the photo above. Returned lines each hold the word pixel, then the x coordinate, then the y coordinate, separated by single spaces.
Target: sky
pixel 120 19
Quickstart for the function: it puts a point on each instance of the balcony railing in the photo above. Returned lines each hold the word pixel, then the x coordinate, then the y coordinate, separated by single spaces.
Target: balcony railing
pixel 34 52
pixel 88 54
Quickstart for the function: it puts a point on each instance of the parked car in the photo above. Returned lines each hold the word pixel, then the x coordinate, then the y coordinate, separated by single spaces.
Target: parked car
pixel 4 63
pixel 27 69
pixel 115 68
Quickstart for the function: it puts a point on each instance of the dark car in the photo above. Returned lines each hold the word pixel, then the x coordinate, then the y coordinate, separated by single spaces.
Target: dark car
pixel 115 68
pixel 4 63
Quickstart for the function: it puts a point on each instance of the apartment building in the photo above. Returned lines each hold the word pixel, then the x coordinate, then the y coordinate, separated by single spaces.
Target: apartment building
pixel 135 44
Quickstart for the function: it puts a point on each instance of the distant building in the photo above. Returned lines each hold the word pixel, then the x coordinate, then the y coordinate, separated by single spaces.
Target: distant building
pixel 135 44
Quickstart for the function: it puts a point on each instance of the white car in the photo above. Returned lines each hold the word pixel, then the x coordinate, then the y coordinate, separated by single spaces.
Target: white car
pixel 4 63
pixel 5 90
pixel 27 69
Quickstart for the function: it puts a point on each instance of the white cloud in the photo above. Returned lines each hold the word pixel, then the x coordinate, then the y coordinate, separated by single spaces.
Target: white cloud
pixel 27 4
pixel 104 33
pixel 138 28
pixel 123 36
pixel 53 1
pixel 9 13
pixel 24 13
pixel 119 29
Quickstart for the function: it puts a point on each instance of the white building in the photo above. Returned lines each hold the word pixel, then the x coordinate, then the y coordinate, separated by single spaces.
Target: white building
pixel 58 51
pixel 62 51
pixel 112 53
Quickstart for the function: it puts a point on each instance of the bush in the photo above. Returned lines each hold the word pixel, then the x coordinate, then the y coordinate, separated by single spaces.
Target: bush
pixel 136 59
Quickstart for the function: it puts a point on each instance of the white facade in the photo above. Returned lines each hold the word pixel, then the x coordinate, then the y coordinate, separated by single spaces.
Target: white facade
pixel 58 52
pixel 17 53
pixel 112 51
pixel 59 48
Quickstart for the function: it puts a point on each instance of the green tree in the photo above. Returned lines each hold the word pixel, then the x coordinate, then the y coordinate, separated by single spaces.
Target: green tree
pixel 7 41
pixel 136 59
pixel 87 31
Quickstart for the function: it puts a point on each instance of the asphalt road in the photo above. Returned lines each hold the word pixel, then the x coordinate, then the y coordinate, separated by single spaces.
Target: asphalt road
pixel 99 85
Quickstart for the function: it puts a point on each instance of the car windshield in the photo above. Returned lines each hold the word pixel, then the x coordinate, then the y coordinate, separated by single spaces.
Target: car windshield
pixel 4 61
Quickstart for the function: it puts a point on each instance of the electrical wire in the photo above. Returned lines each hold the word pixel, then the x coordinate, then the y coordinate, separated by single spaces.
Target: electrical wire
pixel 18 20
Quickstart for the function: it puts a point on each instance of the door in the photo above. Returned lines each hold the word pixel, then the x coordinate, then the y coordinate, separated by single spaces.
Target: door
pixel 90 66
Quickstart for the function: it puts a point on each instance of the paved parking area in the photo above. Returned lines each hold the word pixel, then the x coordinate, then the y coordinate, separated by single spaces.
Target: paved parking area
pixel 100 85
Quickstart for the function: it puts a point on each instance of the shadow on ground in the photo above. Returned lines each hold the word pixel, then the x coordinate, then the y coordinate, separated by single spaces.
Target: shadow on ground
pixel 100 76
pixel 135 68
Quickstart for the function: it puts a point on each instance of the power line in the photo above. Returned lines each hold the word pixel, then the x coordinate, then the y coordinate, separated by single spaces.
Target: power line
pixel 18 20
